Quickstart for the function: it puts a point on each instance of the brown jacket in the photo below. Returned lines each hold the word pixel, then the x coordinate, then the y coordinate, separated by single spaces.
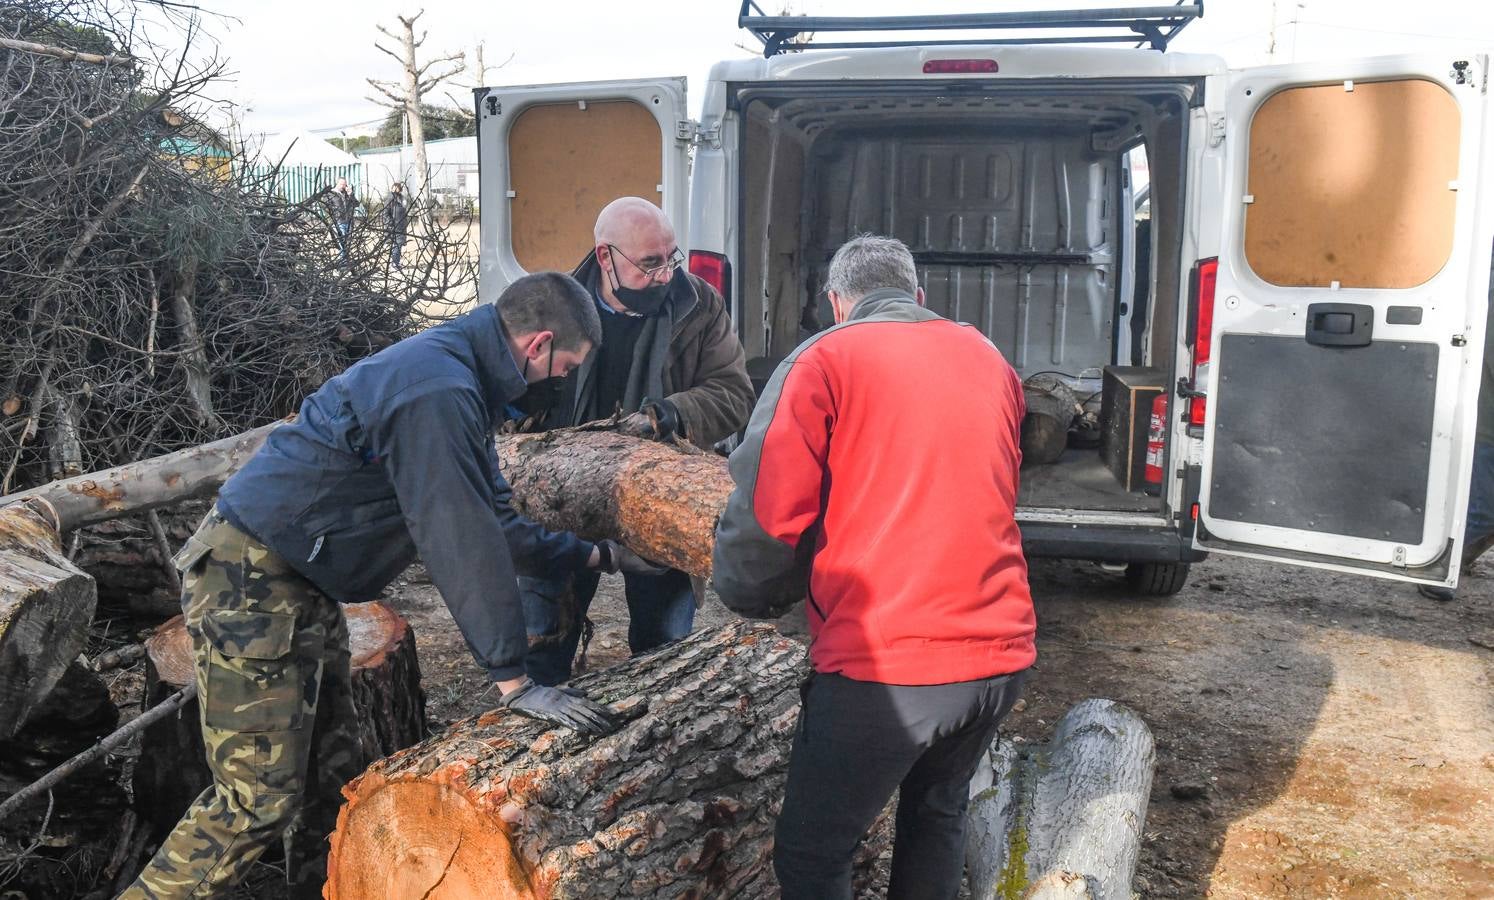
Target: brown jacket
pixel 688 353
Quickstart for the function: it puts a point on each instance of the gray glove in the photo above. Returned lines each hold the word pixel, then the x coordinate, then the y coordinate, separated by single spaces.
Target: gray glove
pixel 559 706
pixel 617 558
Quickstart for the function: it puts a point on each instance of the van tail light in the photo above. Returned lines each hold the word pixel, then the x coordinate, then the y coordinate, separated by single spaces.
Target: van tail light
pixel 1201 333
pixel 714 269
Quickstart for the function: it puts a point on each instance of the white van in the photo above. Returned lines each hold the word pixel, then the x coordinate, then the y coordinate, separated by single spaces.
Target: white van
pixel 1310 294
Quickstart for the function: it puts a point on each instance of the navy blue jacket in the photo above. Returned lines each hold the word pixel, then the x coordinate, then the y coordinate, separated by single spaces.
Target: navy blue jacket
pixel 395 456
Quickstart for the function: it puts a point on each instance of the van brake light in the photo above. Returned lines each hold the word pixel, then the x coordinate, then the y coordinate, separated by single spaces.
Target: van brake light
pixel 959 66
pixel 1201 334
pixel 714 269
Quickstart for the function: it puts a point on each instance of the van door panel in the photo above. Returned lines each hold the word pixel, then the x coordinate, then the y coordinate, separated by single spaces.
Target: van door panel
pixel 551 156
pixel 1339 429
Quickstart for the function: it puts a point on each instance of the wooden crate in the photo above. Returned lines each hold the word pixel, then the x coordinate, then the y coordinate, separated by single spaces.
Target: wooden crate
pixel 1125 418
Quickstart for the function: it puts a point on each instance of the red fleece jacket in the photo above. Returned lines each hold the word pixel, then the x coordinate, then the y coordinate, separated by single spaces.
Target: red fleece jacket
pixel 880 473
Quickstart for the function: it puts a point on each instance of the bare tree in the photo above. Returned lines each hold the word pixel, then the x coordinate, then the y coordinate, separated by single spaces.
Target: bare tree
pixel 475 75
pixel 417 81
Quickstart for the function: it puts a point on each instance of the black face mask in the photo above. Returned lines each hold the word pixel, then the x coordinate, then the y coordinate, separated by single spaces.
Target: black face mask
pixel 542 395
pixel 643 301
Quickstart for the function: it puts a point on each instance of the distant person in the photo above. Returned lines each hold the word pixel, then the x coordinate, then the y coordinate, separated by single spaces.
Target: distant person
pixel 903 538
pixel 343 205
pixel 397 220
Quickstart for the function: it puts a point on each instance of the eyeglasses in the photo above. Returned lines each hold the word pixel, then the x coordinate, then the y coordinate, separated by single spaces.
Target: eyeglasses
pixel 676 259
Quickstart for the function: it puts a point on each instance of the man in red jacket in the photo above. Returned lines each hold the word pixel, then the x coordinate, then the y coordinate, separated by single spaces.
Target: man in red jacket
pixel 878 483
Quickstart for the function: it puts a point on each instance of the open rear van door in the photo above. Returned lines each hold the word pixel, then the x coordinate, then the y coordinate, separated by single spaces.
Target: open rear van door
pixel 551 156
pixel 1338 337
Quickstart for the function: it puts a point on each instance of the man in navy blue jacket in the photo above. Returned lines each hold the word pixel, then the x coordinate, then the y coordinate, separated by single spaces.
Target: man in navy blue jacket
pixel 392 458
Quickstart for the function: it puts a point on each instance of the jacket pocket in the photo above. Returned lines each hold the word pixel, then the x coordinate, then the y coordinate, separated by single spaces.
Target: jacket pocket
pixel 253 680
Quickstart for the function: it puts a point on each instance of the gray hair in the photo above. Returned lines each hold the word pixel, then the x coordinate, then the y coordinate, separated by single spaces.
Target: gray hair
pixel 869 262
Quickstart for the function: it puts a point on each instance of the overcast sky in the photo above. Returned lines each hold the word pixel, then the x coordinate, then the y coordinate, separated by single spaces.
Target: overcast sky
pixel 302 63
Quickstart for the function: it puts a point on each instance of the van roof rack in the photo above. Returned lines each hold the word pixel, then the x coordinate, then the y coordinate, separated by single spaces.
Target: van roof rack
pixel 1155 26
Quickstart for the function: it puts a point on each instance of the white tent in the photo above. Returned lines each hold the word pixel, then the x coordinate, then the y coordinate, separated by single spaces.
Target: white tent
pixel 302 148
pixel 304 164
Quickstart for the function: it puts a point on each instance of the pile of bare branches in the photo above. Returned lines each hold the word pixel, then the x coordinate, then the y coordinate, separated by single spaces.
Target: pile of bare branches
pixel 154 297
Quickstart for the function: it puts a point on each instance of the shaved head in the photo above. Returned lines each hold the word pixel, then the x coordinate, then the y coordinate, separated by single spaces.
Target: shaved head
pixel 627 219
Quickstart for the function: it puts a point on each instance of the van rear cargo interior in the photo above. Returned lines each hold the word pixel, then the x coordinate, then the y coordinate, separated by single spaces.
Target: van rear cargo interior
pixel 1017 203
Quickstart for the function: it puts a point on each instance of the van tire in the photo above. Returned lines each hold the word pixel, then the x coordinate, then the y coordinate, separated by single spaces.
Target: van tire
pixel 1157 579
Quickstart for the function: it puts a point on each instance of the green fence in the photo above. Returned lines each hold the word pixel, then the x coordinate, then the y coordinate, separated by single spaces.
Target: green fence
pixel 296 183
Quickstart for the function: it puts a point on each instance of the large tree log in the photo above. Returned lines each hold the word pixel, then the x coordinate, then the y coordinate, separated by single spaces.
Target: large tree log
pixel 680 802
pixel 46 605
pixel 147 484
pixel 1063 820
pixel 172 769
pixel 661 502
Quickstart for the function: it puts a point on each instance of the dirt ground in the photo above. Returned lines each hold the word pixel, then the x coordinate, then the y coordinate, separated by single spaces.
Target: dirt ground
pixel 1318 735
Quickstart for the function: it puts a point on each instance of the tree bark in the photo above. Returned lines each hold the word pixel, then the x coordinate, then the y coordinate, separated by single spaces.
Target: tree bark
pixel 1051 408
pixel 172 769
pixel 659 501
pixel 680 802
pixel 149 483
pixel 46 605
pixel 1065 819
pixel 75 714
pixel 194 358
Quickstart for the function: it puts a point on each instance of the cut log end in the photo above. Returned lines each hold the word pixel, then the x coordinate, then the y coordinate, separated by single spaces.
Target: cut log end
pixel 414 837
pixel 374 631
pixel 46 605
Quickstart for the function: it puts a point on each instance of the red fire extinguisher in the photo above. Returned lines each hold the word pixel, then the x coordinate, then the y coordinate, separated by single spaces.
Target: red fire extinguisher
pixel 1156 442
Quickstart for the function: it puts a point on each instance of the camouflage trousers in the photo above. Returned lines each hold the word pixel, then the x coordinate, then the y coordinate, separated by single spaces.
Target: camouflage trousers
pixel 275 697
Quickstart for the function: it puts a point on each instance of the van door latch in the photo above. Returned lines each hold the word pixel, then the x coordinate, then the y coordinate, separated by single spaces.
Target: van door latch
pixel 1340 324
pixel 1216 130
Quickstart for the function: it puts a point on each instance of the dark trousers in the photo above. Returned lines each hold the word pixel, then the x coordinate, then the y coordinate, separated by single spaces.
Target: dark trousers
pixel 661 608
pixel 857 742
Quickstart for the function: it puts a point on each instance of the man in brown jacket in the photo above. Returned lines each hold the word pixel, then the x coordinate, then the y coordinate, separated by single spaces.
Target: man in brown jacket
pixel 671 360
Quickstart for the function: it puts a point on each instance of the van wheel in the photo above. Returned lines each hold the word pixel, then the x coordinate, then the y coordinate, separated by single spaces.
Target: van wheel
pixel 1157 579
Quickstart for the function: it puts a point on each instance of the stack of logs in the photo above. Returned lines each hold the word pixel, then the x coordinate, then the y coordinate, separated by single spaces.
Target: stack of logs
pixel 678 802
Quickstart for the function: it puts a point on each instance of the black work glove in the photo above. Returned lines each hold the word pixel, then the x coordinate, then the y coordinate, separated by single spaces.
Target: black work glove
pixel 657 420
pixel 617 558
pixel 559 706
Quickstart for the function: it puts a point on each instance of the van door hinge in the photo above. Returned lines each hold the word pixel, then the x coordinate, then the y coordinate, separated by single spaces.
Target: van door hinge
pixel 1216 130
pixel 694 134
pixel 1398 557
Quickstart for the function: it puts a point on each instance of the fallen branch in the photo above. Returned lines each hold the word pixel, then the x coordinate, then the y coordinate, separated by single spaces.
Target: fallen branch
pixel 65 54
pixel 117 658
pixel 148 484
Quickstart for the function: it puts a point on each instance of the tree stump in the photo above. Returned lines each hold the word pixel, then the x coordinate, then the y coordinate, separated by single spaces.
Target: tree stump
pixel 172 769
pixel 1065 819
pixel 659 500
pixel 680 802
pixel 86 807
pixel 46 606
